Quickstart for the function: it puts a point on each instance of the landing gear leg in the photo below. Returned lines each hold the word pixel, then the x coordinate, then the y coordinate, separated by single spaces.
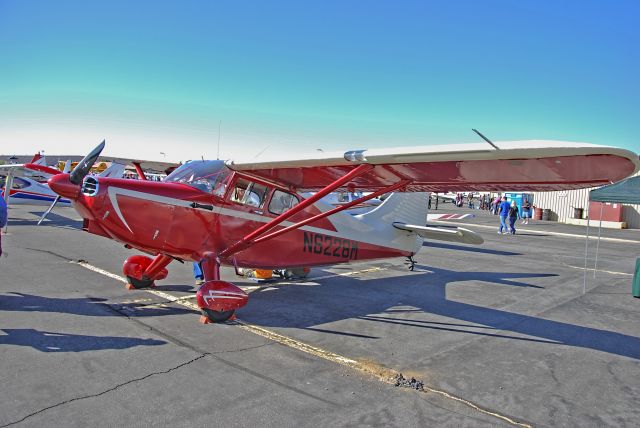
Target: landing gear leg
pixel 142 271
pixel 208 292
pixel 411 263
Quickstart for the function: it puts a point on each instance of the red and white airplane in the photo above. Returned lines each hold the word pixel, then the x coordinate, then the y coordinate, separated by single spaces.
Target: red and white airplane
pixel 252 214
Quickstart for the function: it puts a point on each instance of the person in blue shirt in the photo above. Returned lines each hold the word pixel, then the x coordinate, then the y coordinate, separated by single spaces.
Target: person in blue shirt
pixel 503 210
pixel 3 218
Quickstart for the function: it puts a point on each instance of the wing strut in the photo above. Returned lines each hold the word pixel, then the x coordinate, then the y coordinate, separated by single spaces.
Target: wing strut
pixel 248 239
pixel 139 170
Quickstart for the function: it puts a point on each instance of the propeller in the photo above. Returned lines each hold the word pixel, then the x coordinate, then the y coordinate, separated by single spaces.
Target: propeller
pixel 78 174
pixel 55 201
pixel 67 168
pixel 84 166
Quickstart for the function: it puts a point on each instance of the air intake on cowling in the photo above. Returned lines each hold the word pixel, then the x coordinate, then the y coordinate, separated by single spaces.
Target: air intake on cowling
pixel 90 186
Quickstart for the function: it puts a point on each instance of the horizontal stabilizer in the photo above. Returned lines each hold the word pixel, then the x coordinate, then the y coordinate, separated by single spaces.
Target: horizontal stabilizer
pixel 458 234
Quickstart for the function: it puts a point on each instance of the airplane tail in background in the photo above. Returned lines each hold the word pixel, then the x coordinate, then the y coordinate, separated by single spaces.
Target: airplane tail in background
pixel 38 159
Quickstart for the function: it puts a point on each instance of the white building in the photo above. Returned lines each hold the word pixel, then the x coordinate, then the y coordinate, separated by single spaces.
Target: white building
pixel 562 205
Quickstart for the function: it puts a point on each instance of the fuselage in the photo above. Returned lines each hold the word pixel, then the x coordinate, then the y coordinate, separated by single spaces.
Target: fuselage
pixel 205 207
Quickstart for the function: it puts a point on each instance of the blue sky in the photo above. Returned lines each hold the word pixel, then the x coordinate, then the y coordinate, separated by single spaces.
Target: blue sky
pixel 156 76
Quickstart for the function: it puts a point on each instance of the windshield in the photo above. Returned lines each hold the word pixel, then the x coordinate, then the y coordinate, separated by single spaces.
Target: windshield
pixel 208 176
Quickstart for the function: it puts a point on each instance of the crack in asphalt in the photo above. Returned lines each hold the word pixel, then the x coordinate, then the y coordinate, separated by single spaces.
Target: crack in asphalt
pixel 175 340
pixel 217 356
pixel 60 256
pixel 71 400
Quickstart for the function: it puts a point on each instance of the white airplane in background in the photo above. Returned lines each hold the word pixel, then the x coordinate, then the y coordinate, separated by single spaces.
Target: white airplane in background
pixel 27 185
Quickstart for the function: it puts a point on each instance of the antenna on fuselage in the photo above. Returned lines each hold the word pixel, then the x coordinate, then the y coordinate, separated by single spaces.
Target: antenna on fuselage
pixel 485 139
pixel 261 152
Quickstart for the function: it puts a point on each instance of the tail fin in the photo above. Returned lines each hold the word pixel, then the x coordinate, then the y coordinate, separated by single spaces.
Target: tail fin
pixel 409 207
pixel 38 159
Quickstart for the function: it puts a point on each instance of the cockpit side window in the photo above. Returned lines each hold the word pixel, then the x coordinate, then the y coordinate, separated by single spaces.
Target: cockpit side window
pixel 19 183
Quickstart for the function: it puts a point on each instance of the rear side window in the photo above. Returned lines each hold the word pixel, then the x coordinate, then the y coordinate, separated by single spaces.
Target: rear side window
pixel 282 202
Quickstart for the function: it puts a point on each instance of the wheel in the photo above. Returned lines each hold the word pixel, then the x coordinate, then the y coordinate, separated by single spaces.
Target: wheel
pixel 217 316
pixel 139 283
pixel 296 273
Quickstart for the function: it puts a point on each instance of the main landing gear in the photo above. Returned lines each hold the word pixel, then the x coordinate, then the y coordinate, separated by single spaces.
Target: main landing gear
pixel 142 271
pixel 217 300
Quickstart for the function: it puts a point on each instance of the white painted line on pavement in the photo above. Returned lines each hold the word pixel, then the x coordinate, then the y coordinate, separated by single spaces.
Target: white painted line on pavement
pixel 598 270
pixel 543 232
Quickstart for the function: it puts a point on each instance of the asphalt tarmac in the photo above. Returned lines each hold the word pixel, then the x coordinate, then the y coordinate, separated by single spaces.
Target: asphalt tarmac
pixel 494 335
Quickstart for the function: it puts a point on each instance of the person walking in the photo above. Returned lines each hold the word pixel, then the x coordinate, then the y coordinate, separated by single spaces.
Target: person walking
pixel 496 205
pixel 513 216
pixel 526 211
pixel 3 218
pixel 503 211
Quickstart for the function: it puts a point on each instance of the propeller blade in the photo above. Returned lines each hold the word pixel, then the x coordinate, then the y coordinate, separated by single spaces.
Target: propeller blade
pixel 84 166
pixel 67 166
pixel 55 201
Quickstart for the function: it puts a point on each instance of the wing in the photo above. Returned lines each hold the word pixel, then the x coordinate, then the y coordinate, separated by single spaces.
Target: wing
pixel 165 167
pixel 533 165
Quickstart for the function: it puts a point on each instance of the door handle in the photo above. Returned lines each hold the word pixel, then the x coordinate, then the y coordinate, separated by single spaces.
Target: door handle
pixel 201 206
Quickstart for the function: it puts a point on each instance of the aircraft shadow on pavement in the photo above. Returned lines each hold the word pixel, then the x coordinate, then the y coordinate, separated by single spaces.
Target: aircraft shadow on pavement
pixel 52 219
pixel 472 249
pixel 178 287
pixel 86 306
pixel 46 341
pixel 381 300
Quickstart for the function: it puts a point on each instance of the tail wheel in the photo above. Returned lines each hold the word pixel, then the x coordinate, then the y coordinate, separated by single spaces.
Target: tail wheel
pixel 139 283
pixel 217 316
